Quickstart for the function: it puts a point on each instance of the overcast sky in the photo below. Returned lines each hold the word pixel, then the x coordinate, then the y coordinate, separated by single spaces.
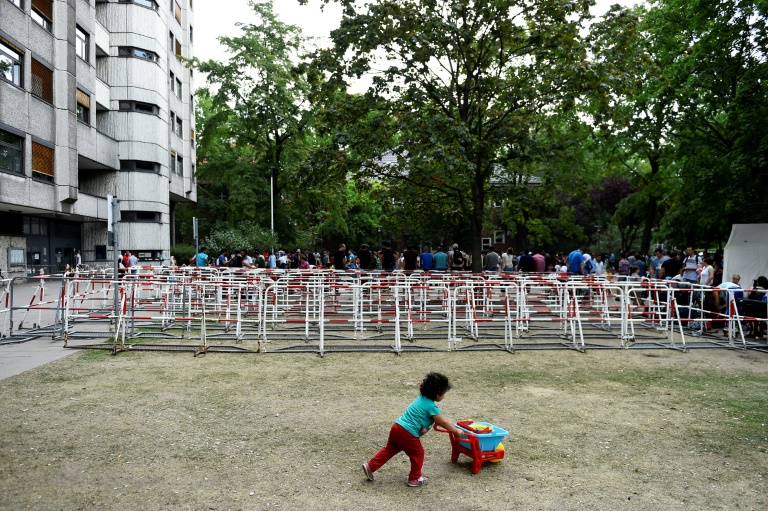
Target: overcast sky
pixel 212 20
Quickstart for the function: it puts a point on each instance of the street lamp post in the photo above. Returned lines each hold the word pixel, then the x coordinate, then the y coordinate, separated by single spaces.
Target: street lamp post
pixel 378 234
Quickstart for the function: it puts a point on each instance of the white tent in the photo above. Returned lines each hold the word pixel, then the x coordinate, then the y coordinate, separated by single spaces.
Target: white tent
pixel 746 253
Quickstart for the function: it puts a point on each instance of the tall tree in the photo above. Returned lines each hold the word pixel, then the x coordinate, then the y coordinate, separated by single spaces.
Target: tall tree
pixel 457 88
pixel 638 106
pixel 259 118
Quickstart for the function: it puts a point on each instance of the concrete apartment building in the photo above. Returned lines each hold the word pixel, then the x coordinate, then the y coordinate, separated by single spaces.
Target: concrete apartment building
pixel 93 102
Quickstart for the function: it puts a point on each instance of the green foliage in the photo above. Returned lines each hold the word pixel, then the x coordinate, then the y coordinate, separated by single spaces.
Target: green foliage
pixel 183 253
pixel 246 237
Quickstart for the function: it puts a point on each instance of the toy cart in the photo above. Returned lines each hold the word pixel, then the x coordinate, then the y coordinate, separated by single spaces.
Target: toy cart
pixel 481 444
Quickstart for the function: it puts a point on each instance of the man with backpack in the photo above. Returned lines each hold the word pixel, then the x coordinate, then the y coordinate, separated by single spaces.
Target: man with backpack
pixel 457 260
pixel 690 263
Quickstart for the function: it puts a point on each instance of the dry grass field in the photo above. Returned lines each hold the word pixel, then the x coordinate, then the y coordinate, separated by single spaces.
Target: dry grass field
pixel 602 430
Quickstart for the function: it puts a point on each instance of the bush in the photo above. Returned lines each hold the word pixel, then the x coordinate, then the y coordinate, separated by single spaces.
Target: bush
pixel 236 239
pixel 183 253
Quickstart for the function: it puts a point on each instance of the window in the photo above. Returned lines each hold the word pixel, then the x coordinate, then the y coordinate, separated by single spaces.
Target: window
pixel 179 165
pixel 177 11
pixel 83 107
pixel 137 106
pixel 190 34
pixel 179 127
pixel 17 3
pixel 10 62
pixel 82 40
pixel 149 4
pixel 100 252
pixel 139 216
pixel 172 123
pixel 172 163
pixel 42 13
pixel 42 161
pixel 178 88
pixel 171 41
pixel 11 152
pixel 140 166
pixel 172 82
pixel 130 51
pixel 487 242
pixel 42 81
pixel 178 48
pixel 36 227
pixel 192 137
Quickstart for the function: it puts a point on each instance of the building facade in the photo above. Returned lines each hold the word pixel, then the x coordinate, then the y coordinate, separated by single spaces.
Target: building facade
pixel 94 101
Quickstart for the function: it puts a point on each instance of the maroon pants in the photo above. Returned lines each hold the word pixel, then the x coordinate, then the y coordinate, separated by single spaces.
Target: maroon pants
pixel 400 440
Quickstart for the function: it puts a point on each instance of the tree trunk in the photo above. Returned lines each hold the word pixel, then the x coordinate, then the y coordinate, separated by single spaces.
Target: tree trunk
pixel 650 212
pixel 476 225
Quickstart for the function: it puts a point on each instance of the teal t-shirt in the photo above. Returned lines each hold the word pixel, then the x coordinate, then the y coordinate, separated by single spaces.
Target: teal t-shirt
pixel 441 261
pixel 417 418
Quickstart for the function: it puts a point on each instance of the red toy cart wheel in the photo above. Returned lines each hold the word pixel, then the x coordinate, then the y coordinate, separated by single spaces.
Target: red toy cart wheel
pixel 471 449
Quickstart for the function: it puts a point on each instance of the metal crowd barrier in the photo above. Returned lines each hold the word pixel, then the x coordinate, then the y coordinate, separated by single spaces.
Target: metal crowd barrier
pixel 205 310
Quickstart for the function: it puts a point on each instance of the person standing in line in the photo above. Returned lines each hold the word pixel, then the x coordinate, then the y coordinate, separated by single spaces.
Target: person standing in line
pixel 457 260
pixel 223 258
pixel 508 261
pixel 576 262
pixel 441 259
pixel 388 258
pixel 599 265
pixel 201 258
pixel 340 258
pixel 427 259
pixel 690 264
pixel 539 261
pixel 364 258
pixel 492 261
pixel 707 273
pixel 410 259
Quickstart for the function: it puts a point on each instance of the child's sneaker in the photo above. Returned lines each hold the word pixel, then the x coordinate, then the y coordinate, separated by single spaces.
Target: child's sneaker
pixel 368 471
pixel 421 481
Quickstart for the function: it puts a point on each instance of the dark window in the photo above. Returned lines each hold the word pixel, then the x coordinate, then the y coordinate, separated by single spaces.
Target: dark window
pixel 130 51
pixel 100 252
pixel 139 216
pixel 178 88
pixel 10 62
pixel 179 127
pixel 140 166
pixel 11 152
pixel 137 106
pixel 12 224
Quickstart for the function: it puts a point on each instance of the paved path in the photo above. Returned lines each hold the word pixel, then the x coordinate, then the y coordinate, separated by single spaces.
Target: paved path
pixel 18 357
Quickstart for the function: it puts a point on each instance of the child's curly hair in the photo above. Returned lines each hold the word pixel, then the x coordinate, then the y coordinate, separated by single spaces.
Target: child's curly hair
pixel 434 385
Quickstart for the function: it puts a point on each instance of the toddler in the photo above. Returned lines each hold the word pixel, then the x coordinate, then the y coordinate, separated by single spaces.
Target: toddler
pixel 414 423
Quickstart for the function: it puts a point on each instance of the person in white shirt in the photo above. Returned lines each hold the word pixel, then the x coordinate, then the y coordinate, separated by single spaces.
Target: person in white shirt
pixel 599 265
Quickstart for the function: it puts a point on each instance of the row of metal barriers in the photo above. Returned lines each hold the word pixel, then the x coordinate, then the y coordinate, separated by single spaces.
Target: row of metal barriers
pixel 210 310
